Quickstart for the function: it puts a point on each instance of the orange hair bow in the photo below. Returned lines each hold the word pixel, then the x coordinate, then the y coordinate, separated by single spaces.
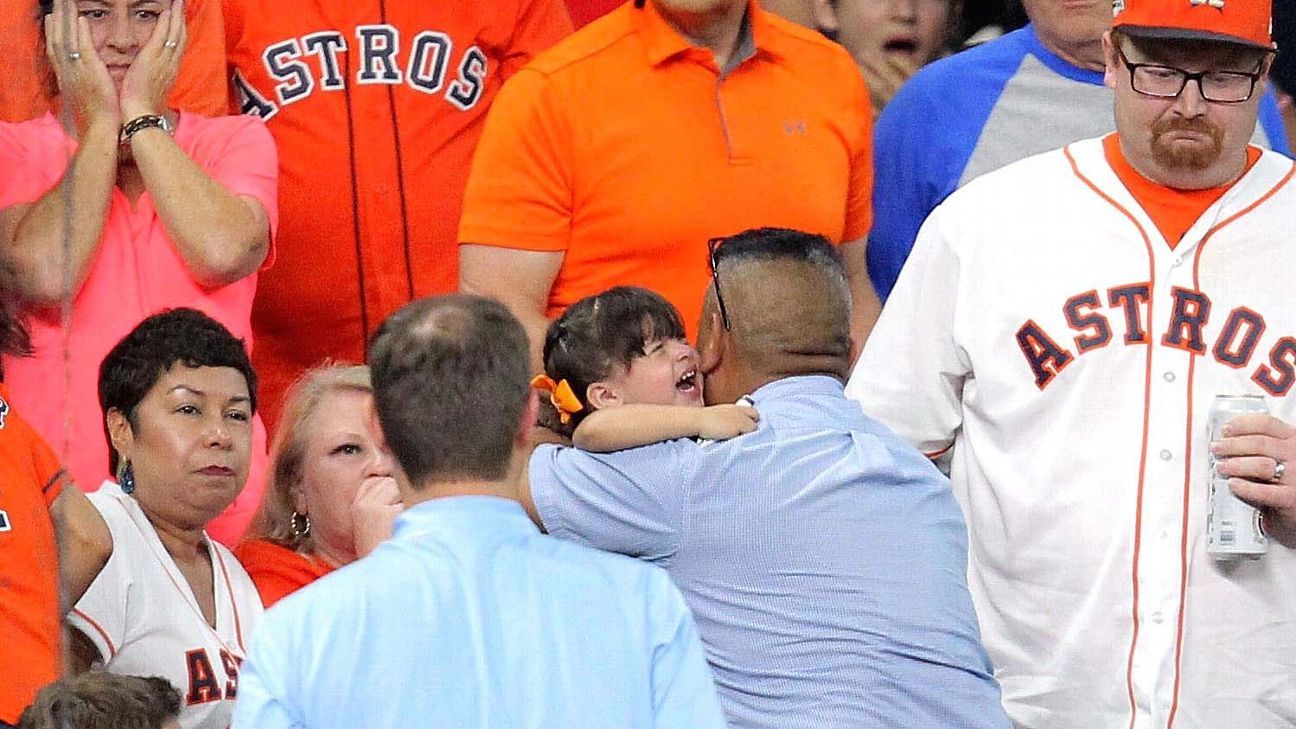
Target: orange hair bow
pixel 560 394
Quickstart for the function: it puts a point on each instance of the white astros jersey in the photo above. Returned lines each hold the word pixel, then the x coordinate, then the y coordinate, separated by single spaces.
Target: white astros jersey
pixel 141 615
pixel 1046 335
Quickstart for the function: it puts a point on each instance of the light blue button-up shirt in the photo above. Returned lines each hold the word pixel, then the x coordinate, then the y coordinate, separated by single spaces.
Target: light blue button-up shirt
pixel 470 618
pixel 825 561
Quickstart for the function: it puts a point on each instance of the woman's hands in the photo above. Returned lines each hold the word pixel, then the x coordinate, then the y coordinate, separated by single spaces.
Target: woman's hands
pixel 146 85
pixel 374 511
pixel 83 78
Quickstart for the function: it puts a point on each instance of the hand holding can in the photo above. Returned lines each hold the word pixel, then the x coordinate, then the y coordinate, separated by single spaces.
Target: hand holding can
pixel 1234 528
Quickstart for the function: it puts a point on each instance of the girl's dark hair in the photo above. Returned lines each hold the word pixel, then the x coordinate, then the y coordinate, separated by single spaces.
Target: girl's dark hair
pixel 604 331
pixel 185 336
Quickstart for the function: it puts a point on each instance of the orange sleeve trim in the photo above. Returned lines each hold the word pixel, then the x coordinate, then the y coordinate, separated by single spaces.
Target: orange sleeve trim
pixel 53 481
pixel 933 455
pixel 112 647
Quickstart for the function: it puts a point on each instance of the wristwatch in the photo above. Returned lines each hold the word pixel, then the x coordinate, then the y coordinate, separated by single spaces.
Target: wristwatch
pixel 130 128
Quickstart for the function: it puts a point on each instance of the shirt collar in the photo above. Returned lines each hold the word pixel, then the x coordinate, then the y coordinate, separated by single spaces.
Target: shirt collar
pixel 463 513
pixel 798 386
pixel 664 42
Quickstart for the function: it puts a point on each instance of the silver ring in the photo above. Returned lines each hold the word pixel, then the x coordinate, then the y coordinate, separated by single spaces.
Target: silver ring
pixel 1280 470
pixel 170 44
pixel 74 56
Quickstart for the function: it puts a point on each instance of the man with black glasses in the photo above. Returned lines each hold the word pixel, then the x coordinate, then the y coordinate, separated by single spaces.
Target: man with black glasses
pixel 1060 338
pixel 823 559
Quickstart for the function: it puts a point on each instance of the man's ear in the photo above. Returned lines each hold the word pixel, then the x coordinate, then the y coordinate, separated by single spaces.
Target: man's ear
pixel 120 434
pixel 530 414
pixel 711 343
pixel 825 17
pixel 1111 60
pixel 601 395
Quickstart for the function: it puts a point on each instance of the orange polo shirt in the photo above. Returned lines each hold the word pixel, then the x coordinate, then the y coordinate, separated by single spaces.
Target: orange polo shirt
pixel 626 148
pixel 30 480
pixel 201 86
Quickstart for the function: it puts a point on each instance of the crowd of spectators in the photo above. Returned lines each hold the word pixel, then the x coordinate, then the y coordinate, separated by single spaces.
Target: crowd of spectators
pixel 621 451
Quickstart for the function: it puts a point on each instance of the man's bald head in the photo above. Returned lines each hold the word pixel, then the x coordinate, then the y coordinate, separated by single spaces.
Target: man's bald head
pixel 788 306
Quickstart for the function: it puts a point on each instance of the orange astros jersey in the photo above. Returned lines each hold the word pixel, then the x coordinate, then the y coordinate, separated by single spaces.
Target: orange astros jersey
pixel 376 106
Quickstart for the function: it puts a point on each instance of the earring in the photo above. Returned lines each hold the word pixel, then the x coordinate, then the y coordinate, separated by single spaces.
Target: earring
pixel 299 525
pixel 127 480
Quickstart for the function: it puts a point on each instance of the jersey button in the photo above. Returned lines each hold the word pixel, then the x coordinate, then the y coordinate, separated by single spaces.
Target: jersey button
pixel 1166 455
pixel 1169 377
pixel 1157 617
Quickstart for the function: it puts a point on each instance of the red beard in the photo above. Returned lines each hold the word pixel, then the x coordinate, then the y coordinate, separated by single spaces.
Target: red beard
pixel 1171 155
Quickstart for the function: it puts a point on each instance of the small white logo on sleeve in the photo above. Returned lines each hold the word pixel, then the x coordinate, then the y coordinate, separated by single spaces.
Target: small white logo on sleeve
pixel 1217 4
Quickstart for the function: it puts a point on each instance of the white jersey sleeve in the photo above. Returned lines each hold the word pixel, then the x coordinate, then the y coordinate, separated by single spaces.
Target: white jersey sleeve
pixel 103 612
pixel 912 371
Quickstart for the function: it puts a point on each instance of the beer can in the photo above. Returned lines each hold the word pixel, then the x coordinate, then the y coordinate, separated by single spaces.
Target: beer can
pixel 1233 528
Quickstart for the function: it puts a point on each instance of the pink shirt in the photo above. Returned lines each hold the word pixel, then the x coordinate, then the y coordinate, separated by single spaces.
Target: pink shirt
pixel 136 272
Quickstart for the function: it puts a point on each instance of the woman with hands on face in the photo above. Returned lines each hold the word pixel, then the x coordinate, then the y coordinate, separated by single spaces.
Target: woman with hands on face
pixel 118 207
pixel 332 495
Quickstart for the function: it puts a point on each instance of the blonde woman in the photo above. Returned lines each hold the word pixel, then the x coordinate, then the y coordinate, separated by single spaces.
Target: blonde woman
pixel 332 495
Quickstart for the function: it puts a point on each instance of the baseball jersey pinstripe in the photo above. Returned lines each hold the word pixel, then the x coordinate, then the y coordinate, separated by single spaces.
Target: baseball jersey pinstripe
pixel 142 616
pixel 1047 336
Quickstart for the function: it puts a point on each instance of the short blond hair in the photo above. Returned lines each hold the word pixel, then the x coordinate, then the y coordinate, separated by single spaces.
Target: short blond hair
pixel 273 521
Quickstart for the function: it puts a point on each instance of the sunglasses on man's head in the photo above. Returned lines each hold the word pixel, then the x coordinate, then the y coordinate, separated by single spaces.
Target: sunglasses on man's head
pixel 713 248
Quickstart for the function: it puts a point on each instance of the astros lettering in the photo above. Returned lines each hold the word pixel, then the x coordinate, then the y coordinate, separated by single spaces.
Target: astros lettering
pixel 1234 346
pixel 319 61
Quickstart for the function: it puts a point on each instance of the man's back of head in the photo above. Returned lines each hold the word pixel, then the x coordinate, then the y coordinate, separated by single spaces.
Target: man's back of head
pixel 451 388
pixel 778 306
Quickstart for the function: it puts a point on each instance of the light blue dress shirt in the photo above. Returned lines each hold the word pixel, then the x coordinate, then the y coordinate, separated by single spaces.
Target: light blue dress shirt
pixel 469 618
pixel 825 561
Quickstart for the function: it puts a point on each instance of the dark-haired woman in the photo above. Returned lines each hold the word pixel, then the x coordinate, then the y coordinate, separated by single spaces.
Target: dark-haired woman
pixel 163 598
pixel 120 207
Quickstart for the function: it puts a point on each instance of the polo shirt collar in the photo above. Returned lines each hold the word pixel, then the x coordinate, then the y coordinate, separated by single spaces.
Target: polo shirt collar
pixel 663 42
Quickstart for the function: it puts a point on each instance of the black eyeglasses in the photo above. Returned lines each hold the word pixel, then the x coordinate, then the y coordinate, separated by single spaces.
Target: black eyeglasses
pixel 713 247
pixel 1167 82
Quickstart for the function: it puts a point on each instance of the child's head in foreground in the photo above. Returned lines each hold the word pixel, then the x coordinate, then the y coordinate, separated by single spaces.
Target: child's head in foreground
pixel 625 345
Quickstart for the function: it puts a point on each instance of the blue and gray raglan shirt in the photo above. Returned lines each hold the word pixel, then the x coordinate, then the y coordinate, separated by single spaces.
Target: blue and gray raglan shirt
pixel 977 111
